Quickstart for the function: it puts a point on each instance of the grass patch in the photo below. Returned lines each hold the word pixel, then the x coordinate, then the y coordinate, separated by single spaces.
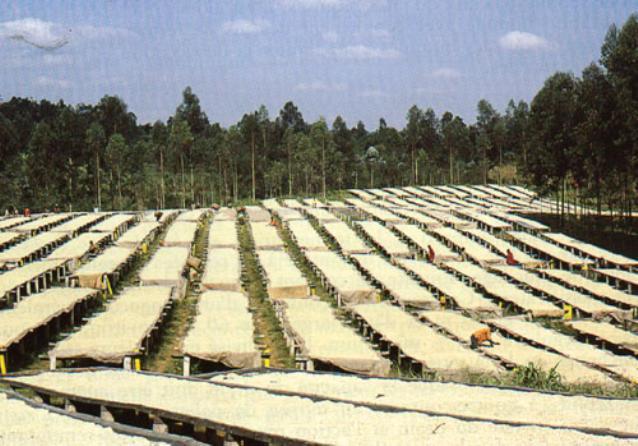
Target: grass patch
pixel 266 323
pixel 165 358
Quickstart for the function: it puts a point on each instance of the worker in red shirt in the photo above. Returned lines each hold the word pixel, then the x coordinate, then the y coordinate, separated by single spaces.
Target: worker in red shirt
pixel 510 258
pixel 27 212
pixel 431 254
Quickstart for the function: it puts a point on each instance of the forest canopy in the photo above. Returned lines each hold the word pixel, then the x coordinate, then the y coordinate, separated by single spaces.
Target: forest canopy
pixel 578 136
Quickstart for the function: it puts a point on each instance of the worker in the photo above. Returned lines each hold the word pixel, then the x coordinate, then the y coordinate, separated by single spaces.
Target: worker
pixel 27 212
pixel 158 215
pixel 480 337
pixel 273 222
pixel 92 248
pixel 431 254
pixel 510 258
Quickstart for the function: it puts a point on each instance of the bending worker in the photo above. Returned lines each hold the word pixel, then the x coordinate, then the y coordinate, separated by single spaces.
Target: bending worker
pixel 480 337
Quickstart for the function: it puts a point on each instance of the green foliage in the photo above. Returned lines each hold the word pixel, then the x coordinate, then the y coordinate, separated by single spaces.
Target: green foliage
pixel 535 377
pixel 578 140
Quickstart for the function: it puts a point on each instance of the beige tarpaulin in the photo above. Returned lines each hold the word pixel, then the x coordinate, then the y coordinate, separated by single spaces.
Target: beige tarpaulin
pixel 339 423
pixel 348 240
pixel 449 286
pixel 506 291
pixel 90 274
pixel 181 233
pixel 223 270
pixel 382 214
pixel 225 214
pixel 223 234
pixel 348 283
pixel 446 217
pixel 591 250
pixel 385 239
pixel 423 240
pixel 167 214
pixel 120 330
pixel 422 343
pixel 270 204
pixel 257 214
pixel 513 352
pixel 31 246
pixel 138 234
pixel 361 194
pixel 78 222
pixel 37 224
pixel 36 311
pixel 623 366
pixel 13 221
pixel 314 203
pixel 600 289
pixel 322 337
pixel 585 303
pixel 620 275
pixel 548 249
pixel 265 236
pixel 14 278
pixel 502 246
pixel 223 331
pixel 418 217
pixel 287 214
pixel 320 214
pixel 9 237
pixel 461 400
pixel 473 250
pixel 401 286
pixel 489 221
pixel 23 424
pixel 526 223
pixel 113 223
pixel 76 248
pixel 305 236
pixel 336 204
pixel 292 203
pixel 283 278
pixel 165 267
pixel 193 215
pixel 608 333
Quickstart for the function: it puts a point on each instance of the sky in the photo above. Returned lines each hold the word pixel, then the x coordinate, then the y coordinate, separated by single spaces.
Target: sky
pixel 361 59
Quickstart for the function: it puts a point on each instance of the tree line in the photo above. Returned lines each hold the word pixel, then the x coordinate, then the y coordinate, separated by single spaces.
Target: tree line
pixel 576 141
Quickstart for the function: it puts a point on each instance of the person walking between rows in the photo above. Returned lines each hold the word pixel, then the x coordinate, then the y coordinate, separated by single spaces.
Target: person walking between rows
pixel 431 254
pixel 510 258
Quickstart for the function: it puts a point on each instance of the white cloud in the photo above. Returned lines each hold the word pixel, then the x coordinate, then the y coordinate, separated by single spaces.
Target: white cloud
pixel 36 32
pixel 242 26
pixel 51 36
pixel 359 52
pixel 374 94
pixel 445 73
pixel 330 36
pixel 44 81
pixel 519 40
pixel 320 86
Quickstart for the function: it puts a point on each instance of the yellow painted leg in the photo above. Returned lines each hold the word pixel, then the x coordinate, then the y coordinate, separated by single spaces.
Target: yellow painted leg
pixel 138 364
pixel 3 364
pixel 569 312
pixel 108 286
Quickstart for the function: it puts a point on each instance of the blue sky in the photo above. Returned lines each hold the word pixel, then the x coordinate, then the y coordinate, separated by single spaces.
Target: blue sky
pixel 363 59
